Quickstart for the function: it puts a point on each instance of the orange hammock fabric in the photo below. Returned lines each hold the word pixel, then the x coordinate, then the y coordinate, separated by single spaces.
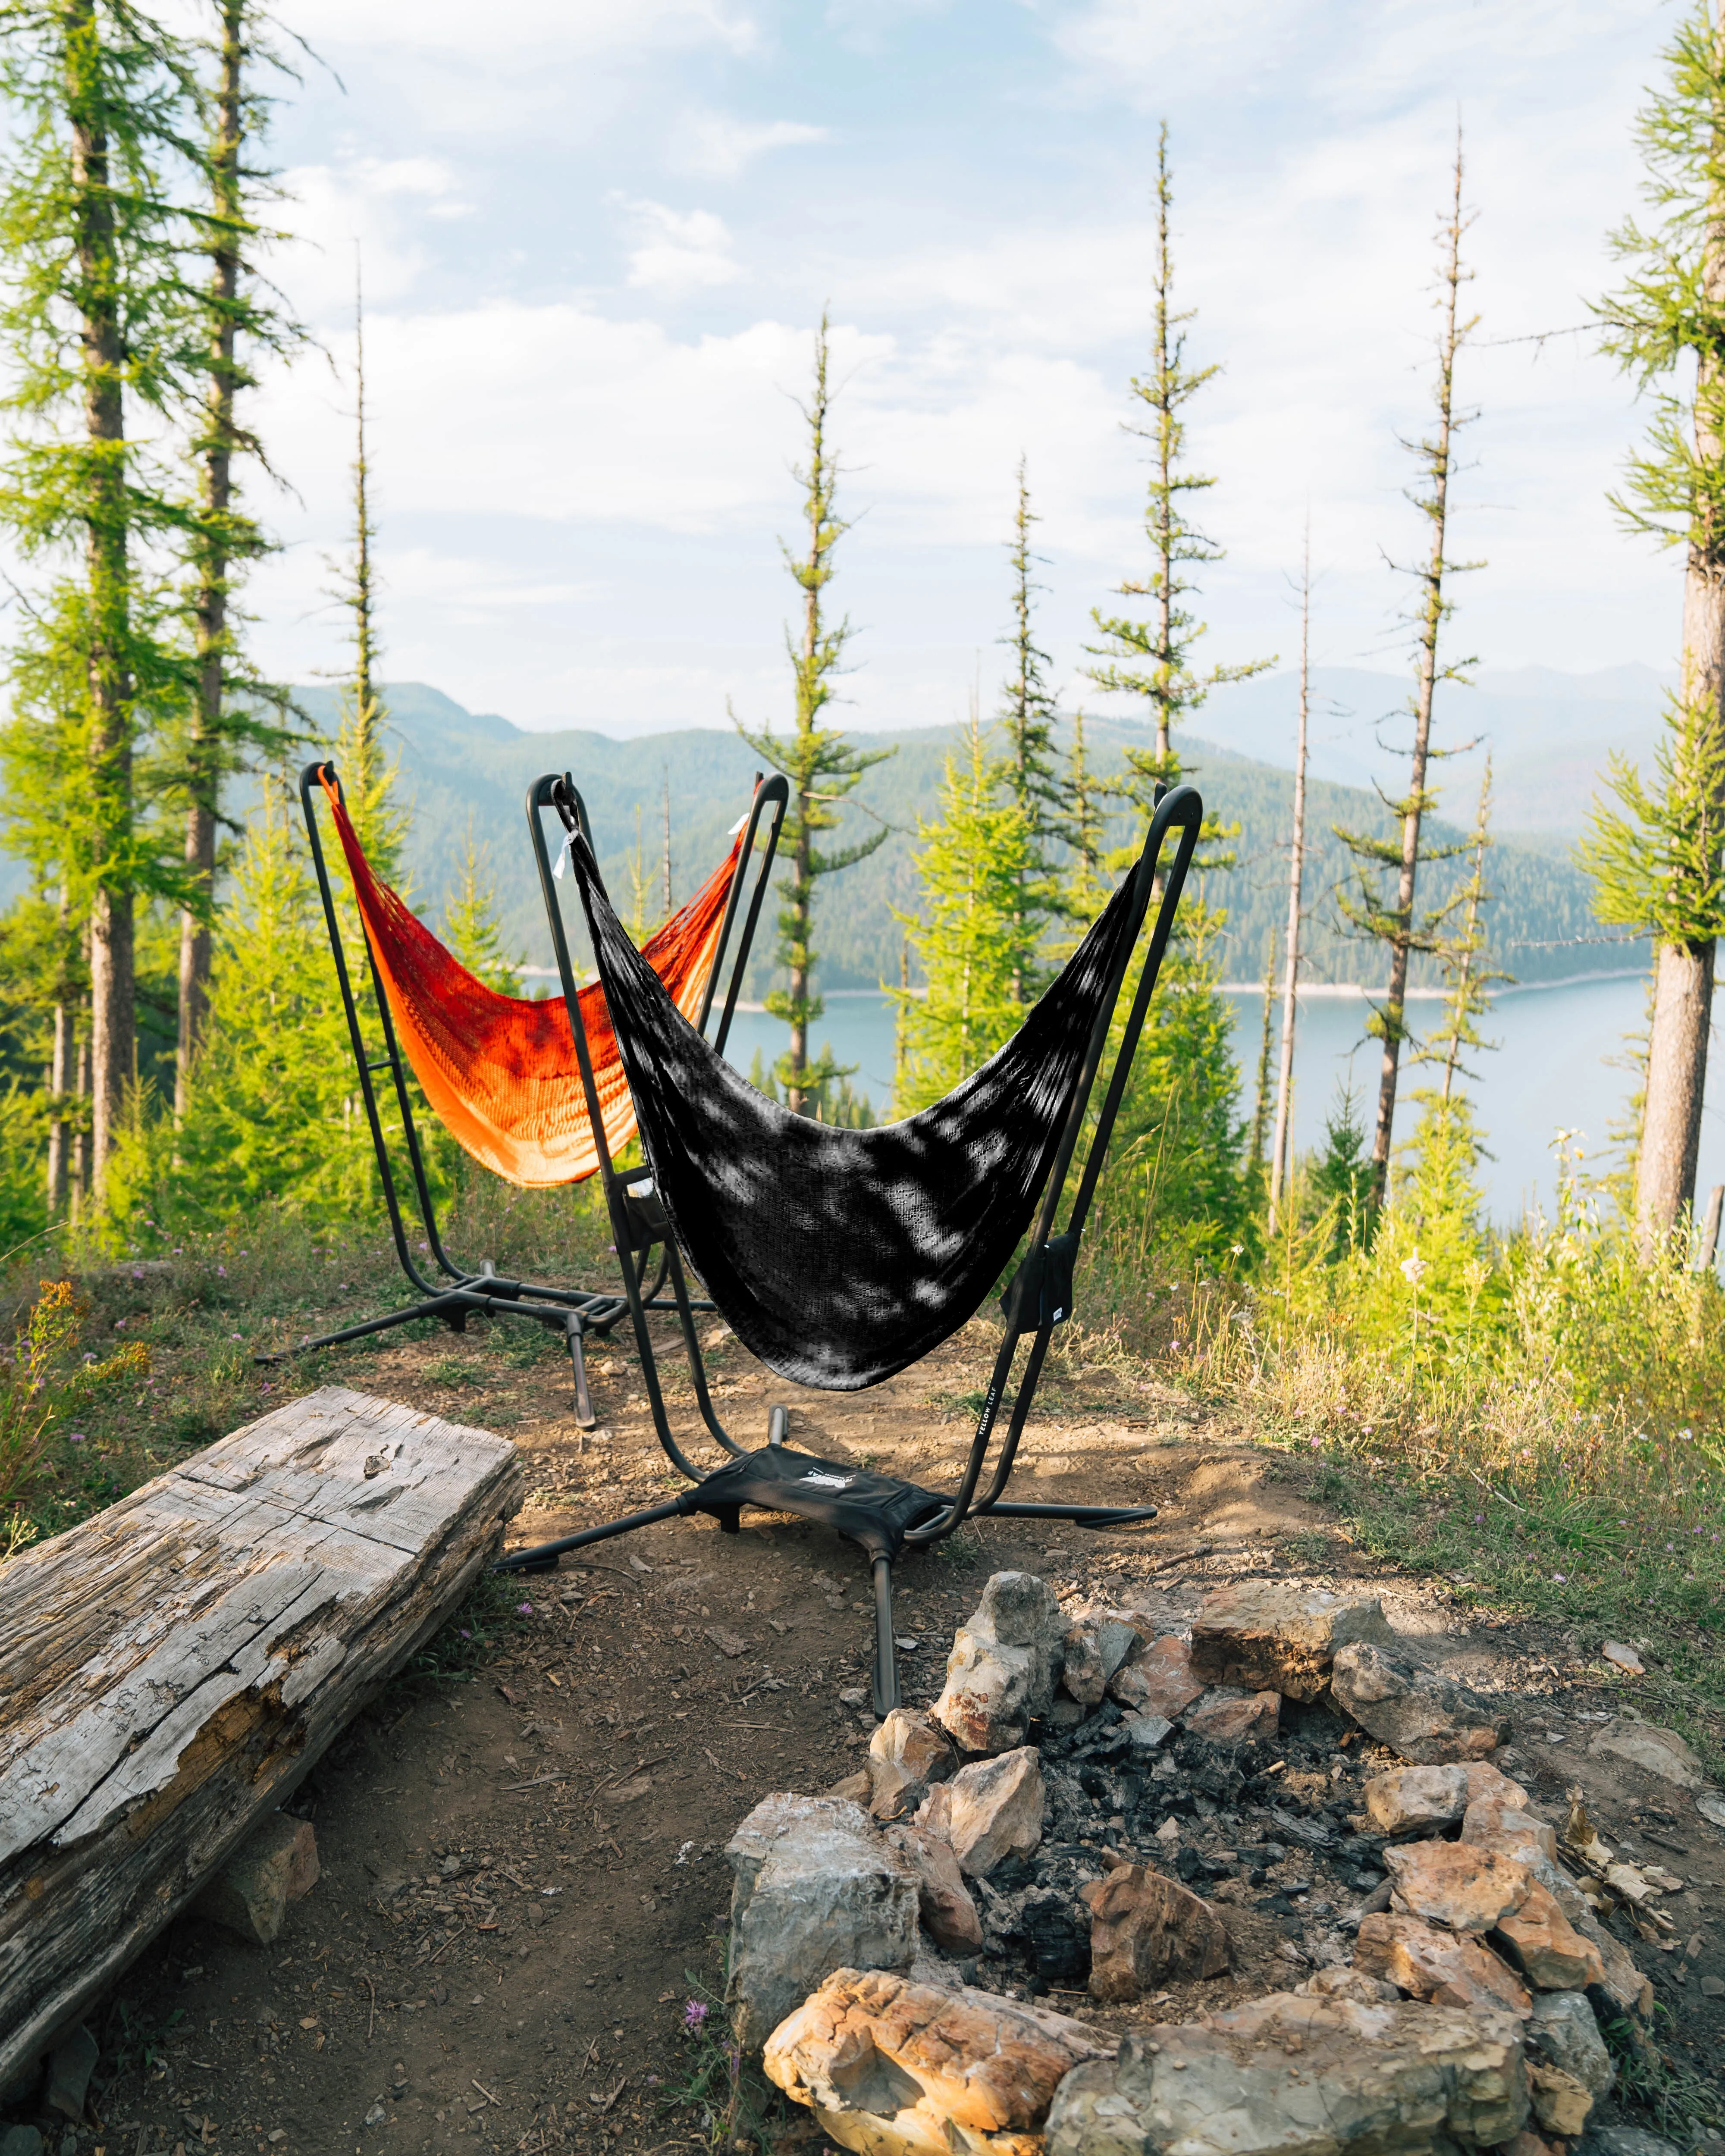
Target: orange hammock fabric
pixel 500 1071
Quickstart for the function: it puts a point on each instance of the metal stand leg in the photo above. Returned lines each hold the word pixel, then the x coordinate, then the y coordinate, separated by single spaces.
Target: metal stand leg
pixel 778 1423
pixel 575 1331
pixel 544 1557
pixel 885 1653
pixel 1081 1516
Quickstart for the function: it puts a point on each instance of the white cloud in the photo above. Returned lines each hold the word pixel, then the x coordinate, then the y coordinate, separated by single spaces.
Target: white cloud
pixel 541 30
pixel 678 251
pixel 719 145
pixel 380 204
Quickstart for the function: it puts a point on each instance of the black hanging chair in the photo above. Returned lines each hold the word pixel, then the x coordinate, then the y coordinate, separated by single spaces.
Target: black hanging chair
pixel 839 1257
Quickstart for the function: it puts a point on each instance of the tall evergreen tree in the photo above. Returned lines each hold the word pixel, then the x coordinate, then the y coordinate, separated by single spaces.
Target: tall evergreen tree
pixel 1467 964
pixel 1261 1107
pixel 984 898
pixel 1087 891
pixel 1394 920
pixel 367 773
pixel 470 927
pixel 822 768
pixel 239 322
pixel 104 158
pixel 1656 850
pixel 1153 658
pixel 1029 767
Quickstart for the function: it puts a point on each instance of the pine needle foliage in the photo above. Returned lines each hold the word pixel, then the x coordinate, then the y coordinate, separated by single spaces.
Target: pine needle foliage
pixel 470 927
pixel 1656 853
pixel 1151 658
pixel 100 217
pixel 1178 1185
pixel 1467 963
pixel 1029 768
pixel 270 1111
pixel 984 894
pixel 234 715
pixel 822 768
pixel 1670 310
pixel 1387 913
pixel 1655 850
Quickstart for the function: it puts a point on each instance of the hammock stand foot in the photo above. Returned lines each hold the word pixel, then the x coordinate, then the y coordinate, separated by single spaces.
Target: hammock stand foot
pixel 486 1291
pixel 875 1511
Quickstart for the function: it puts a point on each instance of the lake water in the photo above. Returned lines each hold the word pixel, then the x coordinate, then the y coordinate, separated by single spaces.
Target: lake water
pixel 1549 1073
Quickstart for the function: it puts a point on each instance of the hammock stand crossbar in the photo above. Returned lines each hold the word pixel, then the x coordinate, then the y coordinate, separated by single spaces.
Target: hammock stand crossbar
pixel 882 1513
pixel 574 1312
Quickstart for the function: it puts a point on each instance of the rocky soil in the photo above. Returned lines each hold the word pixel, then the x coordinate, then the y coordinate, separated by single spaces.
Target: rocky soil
pixel 524 1881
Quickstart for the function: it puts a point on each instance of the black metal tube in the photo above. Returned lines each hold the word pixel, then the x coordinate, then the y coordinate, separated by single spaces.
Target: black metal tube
pixel 885 1676
pixel 543 1556
pixel 560 795
pixel 777 790
pixel 313 775
pixel 1083 1516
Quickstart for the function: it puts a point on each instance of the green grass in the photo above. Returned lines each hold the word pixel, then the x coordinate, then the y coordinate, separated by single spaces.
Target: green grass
pixel 1669 2092
pixel 161 1360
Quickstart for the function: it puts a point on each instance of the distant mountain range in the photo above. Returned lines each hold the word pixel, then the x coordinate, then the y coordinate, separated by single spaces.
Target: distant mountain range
pixel 469 771
pixel 1548 734
pixel 466 771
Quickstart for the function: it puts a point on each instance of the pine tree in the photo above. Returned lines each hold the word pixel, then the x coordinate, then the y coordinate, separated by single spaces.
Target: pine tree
pixel 1471 975
pixel 368 774
pixel 239 322
pixel 1027 769
pixel 96 230
pixel 1153 658
pixel 1177 1163
pixel 1339 1180
pixel 1657 852
pixel 980 889
pixel 1395 920
pixel 1087 892
pixel 1266 1047
pixel 470 927
pixel 822 768
pixel 271 1112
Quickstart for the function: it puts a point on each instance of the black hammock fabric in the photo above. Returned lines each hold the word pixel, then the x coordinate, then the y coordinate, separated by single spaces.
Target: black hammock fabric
pixel 839 1257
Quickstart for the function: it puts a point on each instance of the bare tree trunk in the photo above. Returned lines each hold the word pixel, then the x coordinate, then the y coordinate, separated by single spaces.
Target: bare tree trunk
pixel 1683 972
pixel 61 1074
pixel 113 1008
pixel 1279 1142
pixel 83 1186
pixel 1676 1075
pixel 63 1070
pixel 210 605
pixel 1437 454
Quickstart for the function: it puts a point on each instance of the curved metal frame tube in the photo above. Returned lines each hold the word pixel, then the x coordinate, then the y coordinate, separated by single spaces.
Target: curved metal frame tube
pixel 1181 807
pixel 560 795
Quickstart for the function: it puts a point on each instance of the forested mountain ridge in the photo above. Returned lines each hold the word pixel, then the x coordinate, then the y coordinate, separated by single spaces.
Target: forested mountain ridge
pixel 462 771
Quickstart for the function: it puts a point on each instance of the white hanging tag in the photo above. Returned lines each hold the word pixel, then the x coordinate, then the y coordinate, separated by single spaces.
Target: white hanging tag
pixel 562 861
pixel 737 826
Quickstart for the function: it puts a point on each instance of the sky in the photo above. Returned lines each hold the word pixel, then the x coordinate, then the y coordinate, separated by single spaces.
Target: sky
pixel 596 235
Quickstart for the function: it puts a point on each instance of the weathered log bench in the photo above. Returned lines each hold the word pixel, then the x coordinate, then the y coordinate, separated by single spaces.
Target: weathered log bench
pixel 171 1669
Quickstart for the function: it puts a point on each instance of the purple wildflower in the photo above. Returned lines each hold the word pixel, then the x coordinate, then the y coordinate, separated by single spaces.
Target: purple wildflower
pixel 694 2016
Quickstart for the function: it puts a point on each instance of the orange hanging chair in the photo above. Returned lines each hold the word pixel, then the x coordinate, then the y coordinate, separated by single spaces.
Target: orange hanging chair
pixel 500 1071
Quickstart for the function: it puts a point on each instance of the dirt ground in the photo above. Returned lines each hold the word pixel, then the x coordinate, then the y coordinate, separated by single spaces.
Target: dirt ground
pixel 523 1882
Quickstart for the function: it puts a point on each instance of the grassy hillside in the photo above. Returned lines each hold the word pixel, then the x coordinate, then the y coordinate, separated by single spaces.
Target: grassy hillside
pixel 465 770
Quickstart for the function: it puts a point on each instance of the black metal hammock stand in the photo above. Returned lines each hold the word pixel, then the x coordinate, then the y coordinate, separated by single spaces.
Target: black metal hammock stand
pixel 839 1257
pixel 573 1312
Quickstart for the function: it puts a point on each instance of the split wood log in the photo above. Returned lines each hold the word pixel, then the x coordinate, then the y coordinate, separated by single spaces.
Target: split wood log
pixel 171 1668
